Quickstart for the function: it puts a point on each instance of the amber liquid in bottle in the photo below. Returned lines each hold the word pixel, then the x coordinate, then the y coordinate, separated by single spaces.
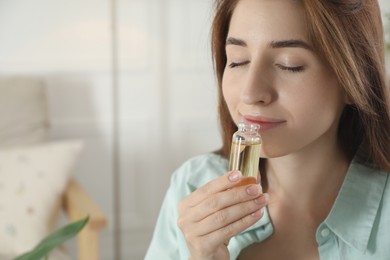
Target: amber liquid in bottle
pixel 245 153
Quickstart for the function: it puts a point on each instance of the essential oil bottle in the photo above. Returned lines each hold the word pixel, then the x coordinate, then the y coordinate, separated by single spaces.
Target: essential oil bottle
pixel 245 152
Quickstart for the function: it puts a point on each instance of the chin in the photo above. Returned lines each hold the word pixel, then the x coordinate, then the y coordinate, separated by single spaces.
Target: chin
pixel 271 153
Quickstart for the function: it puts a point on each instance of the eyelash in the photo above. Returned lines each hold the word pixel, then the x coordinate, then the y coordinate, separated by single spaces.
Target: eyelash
pixel 291 69
pixel 237 64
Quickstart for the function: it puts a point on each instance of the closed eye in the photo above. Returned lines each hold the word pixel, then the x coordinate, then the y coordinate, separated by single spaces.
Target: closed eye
pixel 237 64
pixel 292 69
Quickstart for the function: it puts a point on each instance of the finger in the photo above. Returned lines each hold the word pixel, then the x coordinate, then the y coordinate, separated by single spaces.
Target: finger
pixel 220 236
pixel 230 215
pixel 259 182
pixel 224 182
pixel 225 199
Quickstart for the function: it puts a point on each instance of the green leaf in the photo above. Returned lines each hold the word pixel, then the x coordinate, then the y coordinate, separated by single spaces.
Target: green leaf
pixel 54 240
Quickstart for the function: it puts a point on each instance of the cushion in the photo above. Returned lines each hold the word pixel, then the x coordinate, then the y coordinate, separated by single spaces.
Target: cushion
pixel 23 110
pixel 32 179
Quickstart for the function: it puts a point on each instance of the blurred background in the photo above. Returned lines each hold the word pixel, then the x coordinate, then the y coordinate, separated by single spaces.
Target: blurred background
pixel 134 80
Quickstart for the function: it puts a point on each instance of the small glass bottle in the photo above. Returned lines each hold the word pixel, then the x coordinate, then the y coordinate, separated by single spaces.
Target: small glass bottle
pixel 245 152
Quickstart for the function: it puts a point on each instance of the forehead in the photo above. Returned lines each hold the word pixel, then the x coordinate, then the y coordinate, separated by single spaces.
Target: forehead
pixel 273 19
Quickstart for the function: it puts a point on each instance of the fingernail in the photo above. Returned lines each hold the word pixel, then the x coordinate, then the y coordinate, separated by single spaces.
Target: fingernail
pixel 263 199
pixel 235 176
pixel 252 190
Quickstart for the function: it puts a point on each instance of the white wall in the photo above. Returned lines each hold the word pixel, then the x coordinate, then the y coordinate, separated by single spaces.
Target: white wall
pixel 167 101
pixel 385 6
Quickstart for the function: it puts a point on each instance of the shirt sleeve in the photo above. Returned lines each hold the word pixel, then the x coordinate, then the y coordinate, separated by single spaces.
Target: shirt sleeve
pixel 168 241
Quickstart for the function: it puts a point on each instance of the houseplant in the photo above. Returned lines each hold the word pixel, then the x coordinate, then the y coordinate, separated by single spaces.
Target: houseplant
pixel 54 240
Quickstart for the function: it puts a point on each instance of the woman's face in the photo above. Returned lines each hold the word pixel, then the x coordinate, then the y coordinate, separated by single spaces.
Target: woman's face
pixel 273 77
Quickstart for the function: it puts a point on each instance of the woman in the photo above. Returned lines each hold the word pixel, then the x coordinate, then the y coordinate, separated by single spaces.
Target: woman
pixel 311 73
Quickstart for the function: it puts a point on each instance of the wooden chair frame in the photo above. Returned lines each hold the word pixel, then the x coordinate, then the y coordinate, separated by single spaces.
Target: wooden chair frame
pixel 77 205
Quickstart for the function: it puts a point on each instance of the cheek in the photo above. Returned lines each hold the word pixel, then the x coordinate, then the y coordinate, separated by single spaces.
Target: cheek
pixel 231 94
pixel 314 106
pixel 317 92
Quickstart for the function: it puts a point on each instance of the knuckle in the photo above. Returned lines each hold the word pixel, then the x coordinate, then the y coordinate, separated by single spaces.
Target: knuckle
pixel 220 217
pixel 190 238
pixel 180 223
pixel 250 206
pixel 244 221
pixel 206 189
pixel 183 223
pixel 212 203
pixel 228 230
pixel 237 197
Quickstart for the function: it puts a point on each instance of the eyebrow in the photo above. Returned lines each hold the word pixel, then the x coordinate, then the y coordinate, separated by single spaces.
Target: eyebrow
pixel 273 44
pixel 235 41
pixel 290 44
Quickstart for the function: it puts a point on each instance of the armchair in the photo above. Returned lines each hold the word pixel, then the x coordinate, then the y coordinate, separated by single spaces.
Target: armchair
pixel 24 127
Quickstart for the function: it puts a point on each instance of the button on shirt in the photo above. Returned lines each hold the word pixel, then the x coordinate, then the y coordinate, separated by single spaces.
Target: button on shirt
pixel 325 232
pixel 357 227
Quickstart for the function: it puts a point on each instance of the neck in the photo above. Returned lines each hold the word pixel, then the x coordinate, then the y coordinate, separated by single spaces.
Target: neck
pixel 308 180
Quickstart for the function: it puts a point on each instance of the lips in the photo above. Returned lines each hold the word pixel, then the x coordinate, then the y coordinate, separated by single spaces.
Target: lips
pixel 264 122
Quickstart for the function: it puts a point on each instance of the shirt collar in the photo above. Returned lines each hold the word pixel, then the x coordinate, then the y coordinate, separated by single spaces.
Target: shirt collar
pixel 260 231
pixel 353 214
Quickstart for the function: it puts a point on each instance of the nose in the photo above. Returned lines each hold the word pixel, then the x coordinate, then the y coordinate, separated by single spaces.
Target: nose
pixel 257 87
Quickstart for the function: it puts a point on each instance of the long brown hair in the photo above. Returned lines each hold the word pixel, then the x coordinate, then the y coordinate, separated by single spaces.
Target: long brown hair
pixel 348 35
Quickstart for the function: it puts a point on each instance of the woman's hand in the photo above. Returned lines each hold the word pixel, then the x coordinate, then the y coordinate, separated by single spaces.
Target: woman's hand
pixel 216 212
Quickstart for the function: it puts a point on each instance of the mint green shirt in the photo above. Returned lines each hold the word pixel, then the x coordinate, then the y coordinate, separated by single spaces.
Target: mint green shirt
pixel 357 228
